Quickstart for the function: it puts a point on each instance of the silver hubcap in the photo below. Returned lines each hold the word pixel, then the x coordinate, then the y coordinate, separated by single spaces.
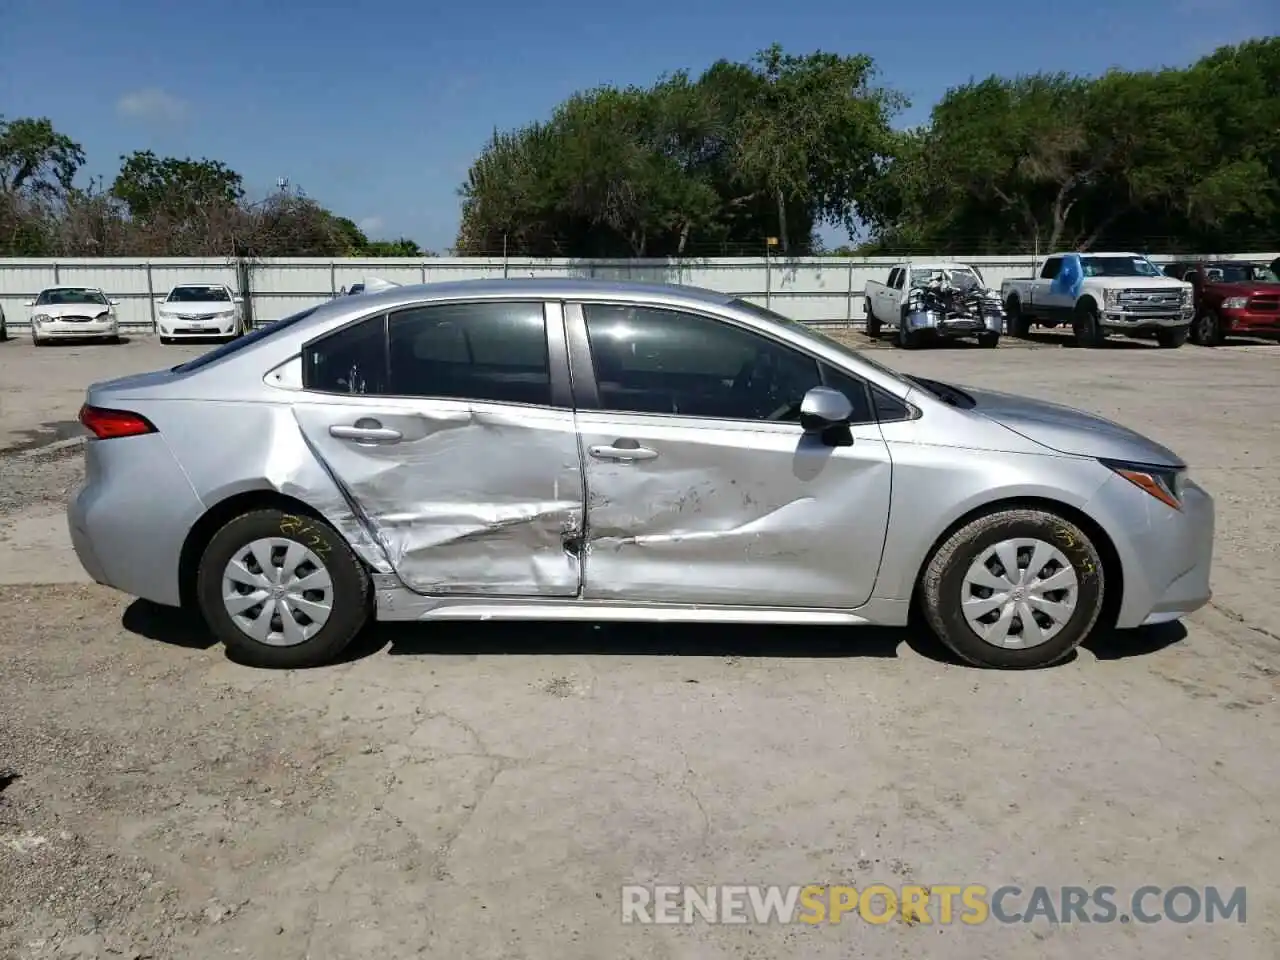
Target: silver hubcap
pixel 277 591
pixel 1019 593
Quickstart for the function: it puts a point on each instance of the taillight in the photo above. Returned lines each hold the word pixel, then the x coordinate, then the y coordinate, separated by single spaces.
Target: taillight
pixel 107 424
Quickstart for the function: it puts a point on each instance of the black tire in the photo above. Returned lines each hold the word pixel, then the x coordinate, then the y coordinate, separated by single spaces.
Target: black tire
pixel 1085 325
pixel 350 584
pixel 1206 329
pixel 1172 337
pixel 989 340
pixel 873 322
pixel 942 587
pixel 1018 323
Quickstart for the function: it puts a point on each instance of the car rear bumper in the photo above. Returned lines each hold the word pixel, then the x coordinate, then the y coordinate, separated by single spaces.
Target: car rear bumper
pixel 1166 555
pixel 130 518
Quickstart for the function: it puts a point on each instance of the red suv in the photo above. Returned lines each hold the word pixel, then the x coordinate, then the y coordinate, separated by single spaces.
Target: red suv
pixel 1231 296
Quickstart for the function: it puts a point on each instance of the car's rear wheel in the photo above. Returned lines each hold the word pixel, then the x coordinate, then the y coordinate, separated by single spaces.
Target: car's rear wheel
pixel 989 340
pixel 1018 324
pixel 282 590
pixel 1018 588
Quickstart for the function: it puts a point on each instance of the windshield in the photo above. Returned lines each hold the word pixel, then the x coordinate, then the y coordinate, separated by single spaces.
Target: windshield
pixel 1119 267
pixel 816 336
pixel 262 333
pixel 70 295
pixel 962 278
pixel 199 295
pixel 1238 273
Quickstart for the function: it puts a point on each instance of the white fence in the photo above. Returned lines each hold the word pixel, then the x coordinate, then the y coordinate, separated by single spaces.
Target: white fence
pixel 817 290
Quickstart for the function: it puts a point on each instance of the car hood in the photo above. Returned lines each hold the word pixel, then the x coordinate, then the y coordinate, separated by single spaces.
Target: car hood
pixel 1137 283
pixel 72 309
pixel 1071 431
pixel 196 308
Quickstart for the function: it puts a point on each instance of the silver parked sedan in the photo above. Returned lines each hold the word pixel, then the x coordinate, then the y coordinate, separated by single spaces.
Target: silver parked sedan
pixel 572 449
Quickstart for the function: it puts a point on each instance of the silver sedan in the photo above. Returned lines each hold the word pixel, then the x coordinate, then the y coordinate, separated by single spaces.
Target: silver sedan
pixel 586 450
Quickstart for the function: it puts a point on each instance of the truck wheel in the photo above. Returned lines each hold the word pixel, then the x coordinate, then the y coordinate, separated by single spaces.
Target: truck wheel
pixel 873 322
pixel 906 339
pixel 989 340
pixel 1019 324
pixel 1206 329
pixel 1172 337
pixel 1085 325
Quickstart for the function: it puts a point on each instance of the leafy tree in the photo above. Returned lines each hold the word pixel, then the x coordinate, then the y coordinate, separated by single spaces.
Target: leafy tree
pixel 36 158
pixel 152 186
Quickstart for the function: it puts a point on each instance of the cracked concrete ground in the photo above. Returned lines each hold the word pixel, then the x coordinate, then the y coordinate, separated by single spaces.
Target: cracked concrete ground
pixel 484 790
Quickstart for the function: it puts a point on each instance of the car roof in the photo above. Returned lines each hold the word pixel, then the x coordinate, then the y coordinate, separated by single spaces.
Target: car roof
pixel 541 288
pixel 199 283
pixel 70 286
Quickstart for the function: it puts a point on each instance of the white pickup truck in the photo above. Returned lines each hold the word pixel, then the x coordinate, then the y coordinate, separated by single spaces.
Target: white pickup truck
pixel 1098 294
pixel 940 299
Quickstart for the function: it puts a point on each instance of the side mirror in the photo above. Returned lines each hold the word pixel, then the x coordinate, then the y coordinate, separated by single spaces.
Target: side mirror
pixel 114 303
pixel 30 303
pixel 237 299
pixel 823 408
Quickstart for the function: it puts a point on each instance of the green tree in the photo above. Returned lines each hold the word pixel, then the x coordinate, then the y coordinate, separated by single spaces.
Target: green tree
pixel 36 158
pixel 179 189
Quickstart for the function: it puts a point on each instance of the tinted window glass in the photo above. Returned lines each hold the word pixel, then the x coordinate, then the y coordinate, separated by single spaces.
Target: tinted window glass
pixel 889 407
pixel 352 360
pixel 665 361
pixel 471 351
pixel 853 388
pixel 1051 268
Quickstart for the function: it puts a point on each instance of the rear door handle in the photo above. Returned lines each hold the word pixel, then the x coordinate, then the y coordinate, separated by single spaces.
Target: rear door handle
pixel 362 434
pixel 616 452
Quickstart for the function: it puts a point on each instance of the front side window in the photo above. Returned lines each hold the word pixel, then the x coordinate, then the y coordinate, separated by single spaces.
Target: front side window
pixel 653 360
pixel 70 295
pixel 471 351
pixel 1051 268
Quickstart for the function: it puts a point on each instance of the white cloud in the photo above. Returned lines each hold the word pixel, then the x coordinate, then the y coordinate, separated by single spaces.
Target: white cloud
pixel 370 225
pixel 152 104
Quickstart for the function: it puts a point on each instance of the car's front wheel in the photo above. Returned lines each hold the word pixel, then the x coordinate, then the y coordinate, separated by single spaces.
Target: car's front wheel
pixel 282 590
pixel 1016 588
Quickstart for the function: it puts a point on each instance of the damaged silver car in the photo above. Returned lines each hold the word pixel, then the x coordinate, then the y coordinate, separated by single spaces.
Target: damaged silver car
pixel 590 450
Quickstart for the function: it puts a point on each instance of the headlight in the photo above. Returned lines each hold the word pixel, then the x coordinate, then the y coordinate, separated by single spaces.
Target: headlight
pixel 1234 303
pixel 1164 483
pixel 1110 297
pixel 104 315
pixel 41 318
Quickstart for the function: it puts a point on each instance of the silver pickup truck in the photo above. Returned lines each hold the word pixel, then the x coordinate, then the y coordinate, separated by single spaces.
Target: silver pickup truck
pixel 1097 294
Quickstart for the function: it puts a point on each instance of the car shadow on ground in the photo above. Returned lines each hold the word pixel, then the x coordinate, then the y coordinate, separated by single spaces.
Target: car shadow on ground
pixel 533 638
pixel 1067 340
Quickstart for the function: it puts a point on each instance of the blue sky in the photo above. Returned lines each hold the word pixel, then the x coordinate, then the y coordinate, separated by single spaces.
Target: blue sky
pixel 378 114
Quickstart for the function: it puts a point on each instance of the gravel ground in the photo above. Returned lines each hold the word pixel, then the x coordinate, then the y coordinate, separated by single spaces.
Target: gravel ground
pixel 484 790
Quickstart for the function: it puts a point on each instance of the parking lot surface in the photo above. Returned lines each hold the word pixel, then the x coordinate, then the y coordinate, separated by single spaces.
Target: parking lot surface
pixel 485 790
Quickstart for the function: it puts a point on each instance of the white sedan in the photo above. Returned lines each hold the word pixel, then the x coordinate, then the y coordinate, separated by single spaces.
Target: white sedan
pixel 73 313
pixel 200 310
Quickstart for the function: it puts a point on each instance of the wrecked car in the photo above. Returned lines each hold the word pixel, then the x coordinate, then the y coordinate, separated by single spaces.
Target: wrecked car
pixel 603 451
pixel 924 301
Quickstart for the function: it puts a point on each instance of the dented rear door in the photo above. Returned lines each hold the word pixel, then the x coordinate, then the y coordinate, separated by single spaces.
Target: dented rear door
pixel 684 510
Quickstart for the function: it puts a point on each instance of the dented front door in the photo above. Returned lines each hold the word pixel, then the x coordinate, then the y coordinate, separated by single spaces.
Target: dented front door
pixel 466 498
pixel 682 510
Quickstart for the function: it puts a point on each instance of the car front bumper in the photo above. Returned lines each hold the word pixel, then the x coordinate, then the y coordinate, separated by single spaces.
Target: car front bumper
pixel 75 329
pixel 1165 554
pixel 177 328
pixel 1251 321
pixel 1114 318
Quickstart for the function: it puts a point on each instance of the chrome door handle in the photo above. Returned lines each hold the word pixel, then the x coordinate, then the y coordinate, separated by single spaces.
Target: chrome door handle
pixel 365 434
pixel 604 452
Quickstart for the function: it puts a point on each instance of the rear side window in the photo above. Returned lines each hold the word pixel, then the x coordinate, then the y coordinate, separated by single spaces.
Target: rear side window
pixel 233 346
pixel 351 360
pixel 1050 268
pixel 471 351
